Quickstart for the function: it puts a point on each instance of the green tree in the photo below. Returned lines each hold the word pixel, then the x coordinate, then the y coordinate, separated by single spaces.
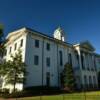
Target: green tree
pixel 1 33
pixel 99 79
pixel 67 78
pixel 1 40
pixel 14 70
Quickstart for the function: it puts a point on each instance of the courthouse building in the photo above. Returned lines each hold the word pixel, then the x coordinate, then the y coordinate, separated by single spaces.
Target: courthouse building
pixel 45 57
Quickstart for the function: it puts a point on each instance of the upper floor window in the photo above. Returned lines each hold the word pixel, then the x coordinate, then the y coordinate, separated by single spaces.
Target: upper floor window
pixel 48 46
pixel 61 58
pixel 10 49
pixel 69 58
pixel 36 60
pixel 37 43
pixel 48 61
pixel 15 46
pixel 21 43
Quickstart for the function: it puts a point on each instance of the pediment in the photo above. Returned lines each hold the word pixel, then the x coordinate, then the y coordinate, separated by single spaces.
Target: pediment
pixel 87 45
pixel 14 35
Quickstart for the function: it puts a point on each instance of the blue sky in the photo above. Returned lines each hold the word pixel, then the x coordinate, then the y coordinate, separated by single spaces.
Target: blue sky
pixel 80 19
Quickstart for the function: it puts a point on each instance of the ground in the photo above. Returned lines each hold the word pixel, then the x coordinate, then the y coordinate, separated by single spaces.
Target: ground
pixel 74 96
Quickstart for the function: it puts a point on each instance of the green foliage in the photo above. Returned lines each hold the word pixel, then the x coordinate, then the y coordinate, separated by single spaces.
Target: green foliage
pixel 13 70
pixel 1 31
pixel 67 77
pixel 99 79
pixel 2 49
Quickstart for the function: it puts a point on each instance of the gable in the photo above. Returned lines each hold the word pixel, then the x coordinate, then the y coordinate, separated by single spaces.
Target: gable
pixel 16 34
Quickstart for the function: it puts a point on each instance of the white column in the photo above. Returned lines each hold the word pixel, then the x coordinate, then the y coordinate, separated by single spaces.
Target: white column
pixel 81 71
pixel 80 63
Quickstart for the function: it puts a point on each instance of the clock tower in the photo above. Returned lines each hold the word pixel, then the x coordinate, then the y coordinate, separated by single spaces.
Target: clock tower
pixel 59 34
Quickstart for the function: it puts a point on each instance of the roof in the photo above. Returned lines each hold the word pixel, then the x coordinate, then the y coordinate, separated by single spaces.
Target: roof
pixel 39 33
pixel 84 44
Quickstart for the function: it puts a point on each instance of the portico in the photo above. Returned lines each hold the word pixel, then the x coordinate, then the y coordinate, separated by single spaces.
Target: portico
pixel 88 71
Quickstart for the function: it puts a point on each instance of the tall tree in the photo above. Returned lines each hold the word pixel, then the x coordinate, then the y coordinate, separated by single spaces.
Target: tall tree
pixel 67 77
pixel 99 79
pixel 1 33
pixel 1 40
pixel 14 70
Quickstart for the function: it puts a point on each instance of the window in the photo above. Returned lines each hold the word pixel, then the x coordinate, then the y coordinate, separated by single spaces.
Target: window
pixel 90 79
pixel 48 61
pixel 48 46
pixel 36 60
pixel 48 79
pixel 94 81
pixel 61 58
pixel 90 82
pixel 10 50
pixel 21 44
pixel 15 46
pixel 70 58
pixel 37 43
pixel 85 81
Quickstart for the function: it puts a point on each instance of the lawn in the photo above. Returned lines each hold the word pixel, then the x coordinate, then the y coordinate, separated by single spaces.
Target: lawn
pixel 74 96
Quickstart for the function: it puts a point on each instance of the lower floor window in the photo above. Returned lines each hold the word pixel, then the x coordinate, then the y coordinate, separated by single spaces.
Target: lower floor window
pixel 48 79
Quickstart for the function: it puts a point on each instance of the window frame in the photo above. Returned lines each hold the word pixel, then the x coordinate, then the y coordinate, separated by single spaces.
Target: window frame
pixel 21 43
pixel 15 46
pixel 10 49
pixel 48 61
pixel 36 60
pixel 48 46
pixel 61 57
pixel 36 43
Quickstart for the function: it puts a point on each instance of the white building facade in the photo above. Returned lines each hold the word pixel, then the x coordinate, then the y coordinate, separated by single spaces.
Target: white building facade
pixel 46 56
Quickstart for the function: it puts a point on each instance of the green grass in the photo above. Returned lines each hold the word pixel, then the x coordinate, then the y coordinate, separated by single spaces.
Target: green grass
pixel 74 96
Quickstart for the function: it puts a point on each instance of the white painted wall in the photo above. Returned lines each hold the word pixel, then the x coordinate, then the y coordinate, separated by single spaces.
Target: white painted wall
pixel 11 43
pixel 38 73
